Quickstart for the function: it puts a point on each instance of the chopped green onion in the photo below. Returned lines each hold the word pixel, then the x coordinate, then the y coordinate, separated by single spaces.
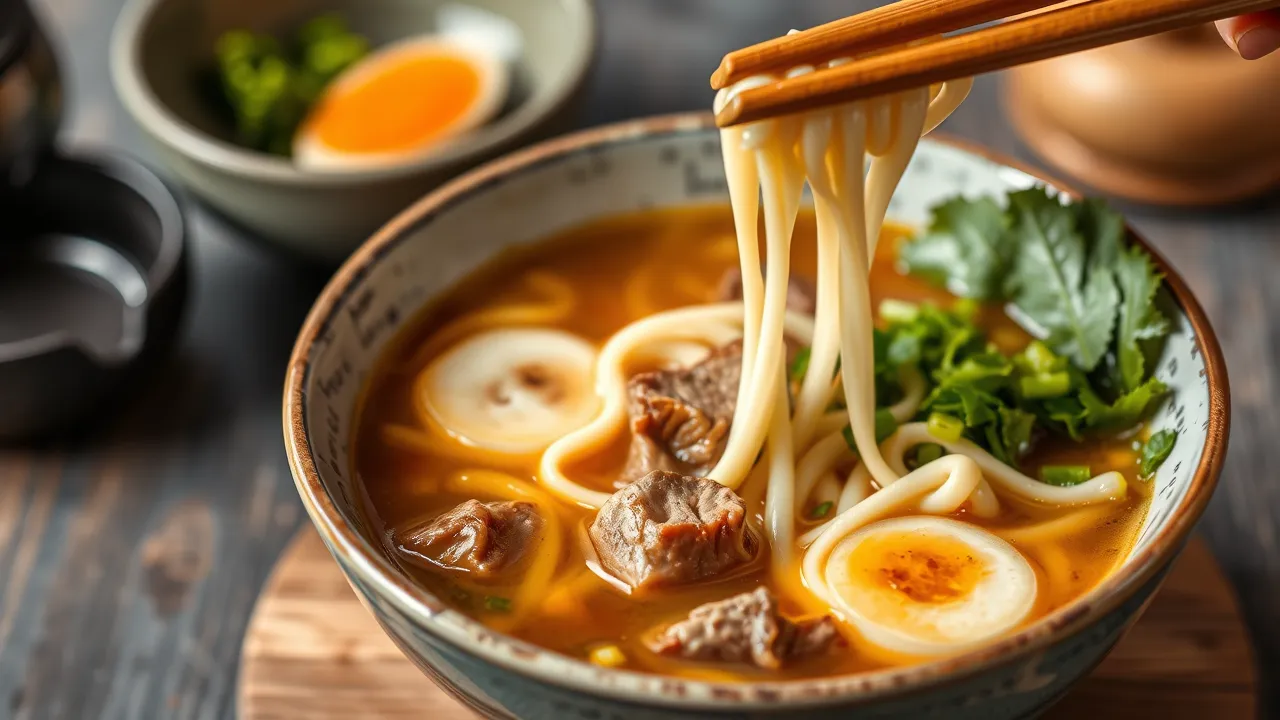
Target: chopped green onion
pixel 848 438
pixel 928 452
pixel 965 308
pixel 1040 358
pixel 1156 451
pixel 822 510
pixel 945 427
pixel 800 364
pixel 1040 387
pixel 493 603
pixel 886 424
pixel 1065 474
pixel 898 311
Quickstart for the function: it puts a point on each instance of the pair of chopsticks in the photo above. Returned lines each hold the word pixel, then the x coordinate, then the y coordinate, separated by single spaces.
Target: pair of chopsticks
pixel 886 65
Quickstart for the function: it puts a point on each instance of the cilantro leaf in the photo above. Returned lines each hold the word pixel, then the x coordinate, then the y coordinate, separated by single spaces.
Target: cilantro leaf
pixel 1049 283
pixel 1103 228
pixel 965 248
pixel 975 407
pixel 1127 410
pixel 1139 318
pixel 1066 415
pixel 1015 430
pixel 1156 450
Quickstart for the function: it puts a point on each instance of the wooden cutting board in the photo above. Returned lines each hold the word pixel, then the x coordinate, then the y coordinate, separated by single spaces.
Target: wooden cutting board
pixel 312 651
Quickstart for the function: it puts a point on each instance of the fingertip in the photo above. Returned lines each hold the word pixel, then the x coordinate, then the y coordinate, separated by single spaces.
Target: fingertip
pixel 1258 41
pixel 1252 36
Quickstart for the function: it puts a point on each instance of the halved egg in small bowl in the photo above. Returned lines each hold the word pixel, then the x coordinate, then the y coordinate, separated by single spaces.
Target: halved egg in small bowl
pixel 400 103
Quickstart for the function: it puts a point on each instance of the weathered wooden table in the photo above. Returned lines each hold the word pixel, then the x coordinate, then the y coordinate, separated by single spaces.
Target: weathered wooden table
pixel 129 563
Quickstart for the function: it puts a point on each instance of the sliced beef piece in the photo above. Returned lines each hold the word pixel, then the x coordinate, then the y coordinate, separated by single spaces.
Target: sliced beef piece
pixel 746 628
pixel 680 418
pixel 802 296
pixel 669 529
pixel 480 539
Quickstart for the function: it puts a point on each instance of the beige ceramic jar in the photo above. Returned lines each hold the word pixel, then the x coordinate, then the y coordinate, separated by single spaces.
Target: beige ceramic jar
pixel 1173 119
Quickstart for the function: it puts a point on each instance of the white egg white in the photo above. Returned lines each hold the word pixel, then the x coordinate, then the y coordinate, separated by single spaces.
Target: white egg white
pixel 999 595
pixel 513 390
pixel 311 152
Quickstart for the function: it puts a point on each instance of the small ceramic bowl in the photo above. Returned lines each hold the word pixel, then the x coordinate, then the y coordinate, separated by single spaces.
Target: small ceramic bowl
pixel 667 162
pixel 161 50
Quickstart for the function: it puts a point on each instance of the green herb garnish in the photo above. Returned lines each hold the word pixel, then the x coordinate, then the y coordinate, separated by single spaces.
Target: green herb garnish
pixel 1065 474
pixel 1064 271
pixel 1048 385
pixel 947 428
pixel 928 452
pixel 493 603
pixel 886 425
pixel 269 87
pixel 1053 281
pixel 800 365
pixel 822 510
pixel 1062 266
pixel 1155 451
pixel 1140 320
pixel 898 311
pixel 966 248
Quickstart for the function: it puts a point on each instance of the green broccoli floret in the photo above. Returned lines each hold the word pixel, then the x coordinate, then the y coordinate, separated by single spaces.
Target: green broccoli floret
pixel 270 89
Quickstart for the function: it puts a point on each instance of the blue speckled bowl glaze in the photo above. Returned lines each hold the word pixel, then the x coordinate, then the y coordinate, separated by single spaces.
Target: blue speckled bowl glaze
pixel 655 163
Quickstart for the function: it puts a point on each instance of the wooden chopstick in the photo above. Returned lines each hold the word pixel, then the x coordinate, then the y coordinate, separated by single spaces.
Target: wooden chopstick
pixel 1037 37
pixel 883 27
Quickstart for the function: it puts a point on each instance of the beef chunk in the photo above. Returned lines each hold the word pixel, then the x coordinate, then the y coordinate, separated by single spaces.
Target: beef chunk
pixel 802 296
pixel 680 418
pixel 667 529
pixel 744 628
pixel 480 539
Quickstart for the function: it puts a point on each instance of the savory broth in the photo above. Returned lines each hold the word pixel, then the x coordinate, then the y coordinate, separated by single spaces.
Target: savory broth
pixel 621 270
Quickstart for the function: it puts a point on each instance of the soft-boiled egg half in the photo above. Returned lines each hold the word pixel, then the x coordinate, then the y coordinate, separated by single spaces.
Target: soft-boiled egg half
pixel 513 390
pixel 401 103
pixel 930 586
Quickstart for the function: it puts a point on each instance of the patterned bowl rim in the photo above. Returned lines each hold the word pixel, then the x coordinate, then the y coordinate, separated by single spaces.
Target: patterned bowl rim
pixel 430 615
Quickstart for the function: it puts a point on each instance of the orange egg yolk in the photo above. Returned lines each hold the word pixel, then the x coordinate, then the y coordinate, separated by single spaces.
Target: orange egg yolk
pixel 922 570
pixel 399 107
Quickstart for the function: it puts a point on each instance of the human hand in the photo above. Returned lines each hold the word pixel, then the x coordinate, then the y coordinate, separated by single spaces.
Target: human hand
pixel 1253 35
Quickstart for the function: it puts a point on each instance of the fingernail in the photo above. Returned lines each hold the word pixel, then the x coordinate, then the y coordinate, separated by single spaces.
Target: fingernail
pixel 1258 41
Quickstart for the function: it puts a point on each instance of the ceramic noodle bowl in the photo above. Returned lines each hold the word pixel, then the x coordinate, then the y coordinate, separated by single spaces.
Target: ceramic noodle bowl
pixel 661 163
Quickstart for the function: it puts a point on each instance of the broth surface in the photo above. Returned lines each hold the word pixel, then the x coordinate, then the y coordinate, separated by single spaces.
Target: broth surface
pixel 625 268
